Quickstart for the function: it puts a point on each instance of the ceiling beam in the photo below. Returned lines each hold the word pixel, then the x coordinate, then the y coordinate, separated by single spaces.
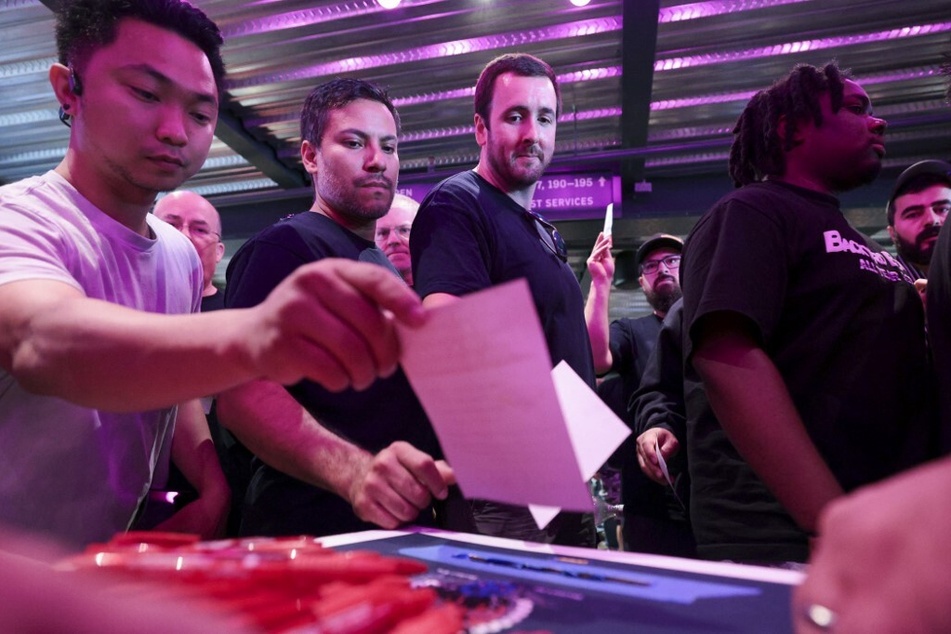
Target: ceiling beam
pixel 639 49
pixel 261 155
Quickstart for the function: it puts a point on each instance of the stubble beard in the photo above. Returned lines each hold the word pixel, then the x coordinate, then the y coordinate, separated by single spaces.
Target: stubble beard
pixel 344 198
pixel 515 176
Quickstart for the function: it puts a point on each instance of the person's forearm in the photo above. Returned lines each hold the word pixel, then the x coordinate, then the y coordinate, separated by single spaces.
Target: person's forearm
pixel 277 429
pixel 752 404
pixel 596 319
pixel 193 451
pixel 74 346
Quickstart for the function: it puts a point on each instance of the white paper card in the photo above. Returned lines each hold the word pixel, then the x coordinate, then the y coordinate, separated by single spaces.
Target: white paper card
pixel 481 369
pixel 666 472
pixel 608 220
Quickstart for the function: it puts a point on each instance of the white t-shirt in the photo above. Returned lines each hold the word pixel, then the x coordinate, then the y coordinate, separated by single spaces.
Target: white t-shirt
pixel 75 473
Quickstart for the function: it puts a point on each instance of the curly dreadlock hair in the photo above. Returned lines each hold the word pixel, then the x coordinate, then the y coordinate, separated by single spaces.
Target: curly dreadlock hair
pixel 757 150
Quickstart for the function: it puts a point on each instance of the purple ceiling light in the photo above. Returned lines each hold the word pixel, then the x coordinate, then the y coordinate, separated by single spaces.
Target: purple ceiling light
pixel 461 93
pixel 698 10
pixel 437 51
pixel 308 17
pixel 788 48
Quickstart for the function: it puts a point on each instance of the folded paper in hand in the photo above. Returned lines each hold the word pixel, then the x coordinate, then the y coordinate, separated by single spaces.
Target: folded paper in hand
pixel 512 429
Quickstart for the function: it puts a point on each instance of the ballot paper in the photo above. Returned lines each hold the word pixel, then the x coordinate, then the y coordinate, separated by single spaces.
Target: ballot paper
pixel 512 429
pixel 666 472
pixel 608 220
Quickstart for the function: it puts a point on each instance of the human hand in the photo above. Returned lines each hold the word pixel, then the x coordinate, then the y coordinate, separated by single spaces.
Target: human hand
pixel 601 262
pixel 332 322
pixel 397 483
pixel 207 516
pixel 882 561
pixel 921 285
pixel 647 458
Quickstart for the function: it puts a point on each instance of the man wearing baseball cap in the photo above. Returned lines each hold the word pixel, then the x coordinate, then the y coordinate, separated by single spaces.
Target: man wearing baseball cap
pixel 916 210
pixel 624 348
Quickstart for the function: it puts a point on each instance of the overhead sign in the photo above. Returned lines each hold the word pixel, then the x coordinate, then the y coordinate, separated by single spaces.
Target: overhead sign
pixel 558 197
pixel 574 196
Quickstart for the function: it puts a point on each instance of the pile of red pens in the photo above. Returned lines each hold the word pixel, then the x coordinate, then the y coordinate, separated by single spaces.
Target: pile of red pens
pixel 275 584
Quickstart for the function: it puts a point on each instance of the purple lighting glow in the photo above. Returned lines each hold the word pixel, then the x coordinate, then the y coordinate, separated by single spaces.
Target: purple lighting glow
pixel 445 49
pixel 698 10
pixel 799 47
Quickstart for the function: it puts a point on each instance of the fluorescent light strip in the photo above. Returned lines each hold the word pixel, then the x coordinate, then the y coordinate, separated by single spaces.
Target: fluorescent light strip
pixel 436 51
pixel 790 48
pixel 39 65
pixel 309 17
pixel 29 116
pixel 697 10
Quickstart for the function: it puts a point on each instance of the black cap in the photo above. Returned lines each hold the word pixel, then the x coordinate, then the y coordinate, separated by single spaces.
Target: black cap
pixel 657 241
pixel 931 171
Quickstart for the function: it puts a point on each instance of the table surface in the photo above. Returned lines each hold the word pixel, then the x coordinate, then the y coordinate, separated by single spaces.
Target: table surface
pixel 574 590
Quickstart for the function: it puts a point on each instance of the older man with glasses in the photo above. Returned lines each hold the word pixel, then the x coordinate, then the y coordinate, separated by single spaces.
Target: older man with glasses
pixel 392 234
pixel 198 219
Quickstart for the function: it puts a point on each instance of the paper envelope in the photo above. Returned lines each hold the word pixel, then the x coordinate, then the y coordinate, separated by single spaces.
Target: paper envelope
pixel 512 429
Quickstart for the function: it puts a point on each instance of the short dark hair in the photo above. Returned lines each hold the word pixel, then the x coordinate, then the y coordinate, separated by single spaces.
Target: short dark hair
pixel 333 95
pixel 757 150
pixel 84 26
pixel 520 64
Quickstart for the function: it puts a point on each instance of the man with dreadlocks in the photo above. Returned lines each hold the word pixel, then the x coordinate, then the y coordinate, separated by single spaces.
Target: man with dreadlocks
pixel 806 335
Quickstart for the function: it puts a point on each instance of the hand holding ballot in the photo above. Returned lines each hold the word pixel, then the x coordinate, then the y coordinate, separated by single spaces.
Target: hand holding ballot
pixel 513 430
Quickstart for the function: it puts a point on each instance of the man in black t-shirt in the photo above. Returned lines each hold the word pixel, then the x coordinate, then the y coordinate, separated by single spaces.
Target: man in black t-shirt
pixel 807 336
pixel 333 461
pixel 623 348
pixel 477 229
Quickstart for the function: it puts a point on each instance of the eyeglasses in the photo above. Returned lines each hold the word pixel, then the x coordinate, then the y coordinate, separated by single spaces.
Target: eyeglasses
pixel 201 232
pixel 549 236
pixel 652 266
pixel 383 233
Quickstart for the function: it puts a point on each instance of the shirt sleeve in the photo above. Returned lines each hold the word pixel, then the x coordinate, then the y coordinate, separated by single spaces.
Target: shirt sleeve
pixel 448 246
pixel 659 401
pixel 261 264
pixel 32 248
pixel 735 262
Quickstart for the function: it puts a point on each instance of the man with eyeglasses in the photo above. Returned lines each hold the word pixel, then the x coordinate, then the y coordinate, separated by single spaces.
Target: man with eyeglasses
pixel 917 208
pixel 200 222
pixel 392 234
pixel 477 229
pixel 623 348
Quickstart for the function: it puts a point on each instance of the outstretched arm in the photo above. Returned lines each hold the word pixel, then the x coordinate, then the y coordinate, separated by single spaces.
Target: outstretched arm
pixel 194 454
pixel 601 267
pixel 330 321
pixel 753 405
pixel 388 489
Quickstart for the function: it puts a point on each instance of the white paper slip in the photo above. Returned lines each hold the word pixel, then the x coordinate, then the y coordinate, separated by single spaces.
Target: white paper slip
pixel 481 369
pixel 513 430
pixel 666 472
pixel 608 220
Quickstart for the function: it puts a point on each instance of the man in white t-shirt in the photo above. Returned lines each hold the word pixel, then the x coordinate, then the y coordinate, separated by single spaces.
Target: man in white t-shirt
pixel 96 293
